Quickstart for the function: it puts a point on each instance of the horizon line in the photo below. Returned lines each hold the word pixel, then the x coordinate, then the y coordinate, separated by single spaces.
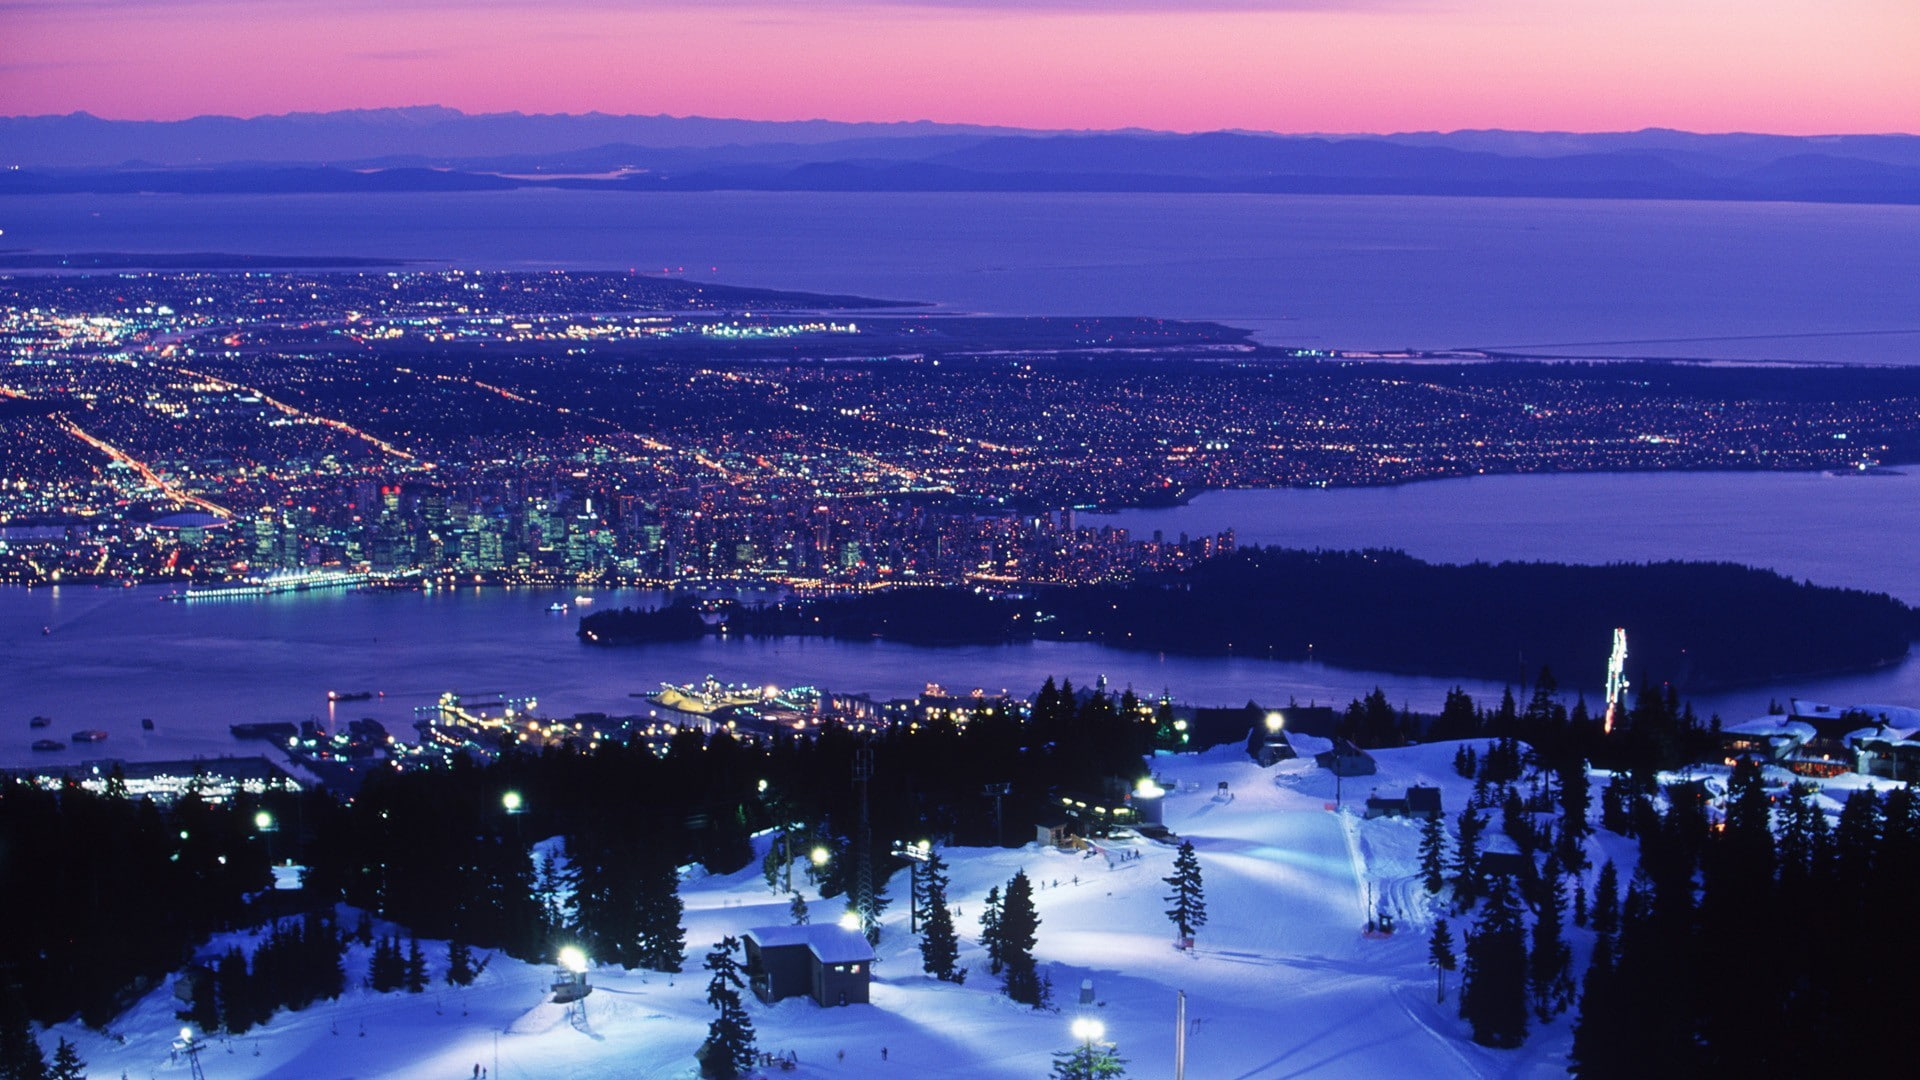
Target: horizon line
pixel 928 122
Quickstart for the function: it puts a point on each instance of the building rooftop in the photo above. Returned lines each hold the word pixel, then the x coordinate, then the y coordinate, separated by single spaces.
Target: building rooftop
pixel 830 943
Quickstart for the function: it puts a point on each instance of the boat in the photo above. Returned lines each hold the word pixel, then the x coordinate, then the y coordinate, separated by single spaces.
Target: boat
pixel 358 695
pixel 49 744
pixel 40 721
pixel 583 601
pixel 290 581
pixel 146 723
pixel 90 735
pixel 557 608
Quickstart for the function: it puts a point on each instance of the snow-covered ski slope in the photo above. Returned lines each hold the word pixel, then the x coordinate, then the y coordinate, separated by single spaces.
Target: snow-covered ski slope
pixel 1281 984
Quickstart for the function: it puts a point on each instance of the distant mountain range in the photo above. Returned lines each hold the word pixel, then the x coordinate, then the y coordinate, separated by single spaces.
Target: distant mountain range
pixel 439 149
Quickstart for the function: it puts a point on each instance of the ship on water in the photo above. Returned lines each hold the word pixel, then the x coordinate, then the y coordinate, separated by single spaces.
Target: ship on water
pixel 707 697
pixel 289 581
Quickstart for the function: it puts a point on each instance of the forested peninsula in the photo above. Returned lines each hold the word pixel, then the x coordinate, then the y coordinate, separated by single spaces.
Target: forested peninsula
pixel 1699 626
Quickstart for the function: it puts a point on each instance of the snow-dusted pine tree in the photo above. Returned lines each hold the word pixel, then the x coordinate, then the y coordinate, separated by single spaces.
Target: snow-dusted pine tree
pixel 990 939
pixel 66 1063
pixel 1440 955
pixel 939 945
pixel 1433 854
pixel 728 1051
pixel 416 969
pixel 1019 931
pixel 459 963
pixel 1092 1061
pixel 1189 911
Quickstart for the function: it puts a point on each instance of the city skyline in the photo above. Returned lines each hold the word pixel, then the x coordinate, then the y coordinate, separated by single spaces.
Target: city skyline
pixel 1289 65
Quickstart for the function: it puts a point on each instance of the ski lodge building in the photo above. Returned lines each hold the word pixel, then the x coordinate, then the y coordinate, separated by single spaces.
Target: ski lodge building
pixel 828 963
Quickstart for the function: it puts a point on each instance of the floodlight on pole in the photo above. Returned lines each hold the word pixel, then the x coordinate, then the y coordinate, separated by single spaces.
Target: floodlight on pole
pixel 263 821
pixel 512 802
pixel 573 959
pixel 820 856
pixel 1087 1029
pixel 190 1046
pixel 850 920
pixel 1276 721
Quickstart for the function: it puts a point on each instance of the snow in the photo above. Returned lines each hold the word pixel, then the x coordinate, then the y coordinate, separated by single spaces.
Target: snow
pixel 829 943
pixel 1280 984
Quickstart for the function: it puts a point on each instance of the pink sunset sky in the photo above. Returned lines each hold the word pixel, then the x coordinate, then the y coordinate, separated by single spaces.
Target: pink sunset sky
pixel 1791 66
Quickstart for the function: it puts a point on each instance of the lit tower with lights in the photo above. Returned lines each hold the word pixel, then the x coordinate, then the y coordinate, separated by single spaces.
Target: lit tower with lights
pixel 1616 679
pixel 863 855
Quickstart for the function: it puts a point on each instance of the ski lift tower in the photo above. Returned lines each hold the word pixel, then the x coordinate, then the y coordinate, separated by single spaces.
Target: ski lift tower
pixel 1616 679
pixel 863 875
pixel 191 1046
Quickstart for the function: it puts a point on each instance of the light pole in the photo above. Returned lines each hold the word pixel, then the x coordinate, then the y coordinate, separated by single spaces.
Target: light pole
pixel 264 823
pixel 190 1046
pixel 514 805
pixel 778 811
pixel 915 854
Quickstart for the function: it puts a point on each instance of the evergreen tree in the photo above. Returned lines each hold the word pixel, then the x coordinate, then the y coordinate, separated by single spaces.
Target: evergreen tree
pixel 1575 795
pixel 990 938
pixel 460 970
pixel 66 1063
pixel 1606 900
pixel 1189 910
pixel 728 1051
pixel 1440 955
pixel 1596 1034
pixel 1019 926
pixel 1550 965
pixel 1493 988
pixel 388 969
pixel 20 1055
pixel 236 992
pixel 1089 1061
pixel 416 969
pixel 798 910
pixel 939 944
pixel 548 881
pixel 1433 854
pixel 662 940
pixel 1466 762
pixel 1466 858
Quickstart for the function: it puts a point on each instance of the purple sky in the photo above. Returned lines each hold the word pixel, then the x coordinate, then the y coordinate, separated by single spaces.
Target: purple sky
pixel 1798 66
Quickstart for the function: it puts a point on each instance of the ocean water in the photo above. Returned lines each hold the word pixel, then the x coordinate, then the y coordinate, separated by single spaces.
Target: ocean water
pixel 1748 281
pixel 1853 531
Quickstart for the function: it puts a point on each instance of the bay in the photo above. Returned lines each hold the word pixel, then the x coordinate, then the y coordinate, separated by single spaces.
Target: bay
pixel 1744 281
pixel 104 658
pixel 1852 531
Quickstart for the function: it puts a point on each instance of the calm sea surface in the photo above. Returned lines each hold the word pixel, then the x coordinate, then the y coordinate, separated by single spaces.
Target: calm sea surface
pixel 1788 281
pixel 1859 532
